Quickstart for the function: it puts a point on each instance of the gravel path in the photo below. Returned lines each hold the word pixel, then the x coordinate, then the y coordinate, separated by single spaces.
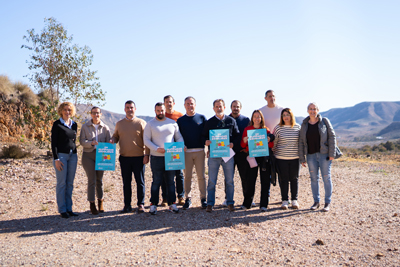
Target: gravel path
pixel 362 228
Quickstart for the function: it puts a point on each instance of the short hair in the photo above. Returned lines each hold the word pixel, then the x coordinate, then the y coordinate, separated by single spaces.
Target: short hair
pixel 269 91
pixel 313 103
pixel 240 103
pixel 159 104
pixel 169 96
pixel 292 118
pixel 63 105
pixel 94 108
pixel 189 97
pixel 262 123
pixel 129 102
pixel 219 100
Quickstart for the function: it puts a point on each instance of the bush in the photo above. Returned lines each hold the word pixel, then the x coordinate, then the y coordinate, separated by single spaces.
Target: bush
pixel 26 94
pixel 6 86
pixel 14 152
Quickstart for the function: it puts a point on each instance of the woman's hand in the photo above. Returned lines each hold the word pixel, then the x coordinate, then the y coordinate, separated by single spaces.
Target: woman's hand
pixel 247 138
pixel 331 158
pixel 59 165
pixel 208 142
pixel 269 139
pixel 304 164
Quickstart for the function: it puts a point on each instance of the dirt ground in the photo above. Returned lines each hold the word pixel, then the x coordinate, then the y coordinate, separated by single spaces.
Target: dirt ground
pixel 362 228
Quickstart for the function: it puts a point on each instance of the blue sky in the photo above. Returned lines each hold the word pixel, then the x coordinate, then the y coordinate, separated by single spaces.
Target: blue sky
pixel 335 53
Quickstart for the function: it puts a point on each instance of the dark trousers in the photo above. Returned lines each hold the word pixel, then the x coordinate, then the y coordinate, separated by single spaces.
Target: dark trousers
pixel 159 175
pixel 264 167
pixel 180 190
pixel 243 167
pixel 288 173
pixel 133 165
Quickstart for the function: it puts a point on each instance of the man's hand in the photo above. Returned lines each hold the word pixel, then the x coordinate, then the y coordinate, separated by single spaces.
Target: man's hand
pixel 230 145
pixel 111 141
pixel 59 165
pixel 208 142
pixel 145 159
pixel 185 149
pixel 161 150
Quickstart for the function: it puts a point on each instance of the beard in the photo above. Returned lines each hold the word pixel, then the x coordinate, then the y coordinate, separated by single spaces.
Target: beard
pixel 160 116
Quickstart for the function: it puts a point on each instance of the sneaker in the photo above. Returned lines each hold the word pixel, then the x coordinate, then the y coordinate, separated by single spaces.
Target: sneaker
pixel 326 207
pixel 285 205
pixel 188 204
pixel 263 209
pixel 243 207
pixel 153 209
pixel 315 206
pixel 209 208
pixel 289 202
pixel 181 201
pixel 173 208
pixel 231 207
pixel 203 203
pixel 253 204
pixel 295 204
pixel 164 203
pixel 224 203
pixel 140 209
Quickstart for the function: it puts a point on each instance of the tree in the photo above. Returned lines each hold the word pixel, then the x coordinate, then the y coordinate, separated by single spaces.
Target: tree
pixel 60 68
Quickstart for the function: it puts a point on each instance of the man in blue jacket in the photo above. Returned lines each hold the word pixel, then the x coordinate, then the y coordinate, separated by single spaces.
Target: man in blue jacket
pixel 220 121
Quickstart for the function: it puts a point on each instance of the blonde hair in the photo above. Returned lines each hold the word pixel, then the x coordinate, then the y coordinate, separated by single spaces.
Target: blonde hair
pixel 292 118
pixel 63 105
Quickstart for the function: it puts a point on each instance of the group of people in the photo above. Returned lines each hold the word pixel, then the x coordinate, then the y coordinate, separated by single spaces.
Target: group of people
pixel 290 145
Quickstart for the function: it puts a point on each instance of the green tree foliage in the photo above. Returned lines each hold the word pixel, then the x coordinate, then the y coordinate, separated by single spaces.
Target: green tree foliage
pixel 60 69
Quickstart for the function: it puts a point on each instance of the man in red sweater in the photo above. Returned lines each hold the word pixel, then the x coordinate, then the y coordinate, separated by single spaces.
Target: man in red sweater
pixel 170 112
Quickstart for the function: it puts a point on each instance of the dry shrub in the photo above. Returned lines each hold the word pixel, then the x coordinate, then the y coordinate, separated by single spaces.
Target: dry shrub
pixel 26 94
pixel 14 152
pixel 6 86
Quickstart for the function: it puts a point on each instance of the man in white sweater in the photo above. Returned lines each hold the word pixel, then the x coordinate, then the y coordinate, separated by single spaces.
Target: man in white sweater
pixel 271 111
pixel 158 131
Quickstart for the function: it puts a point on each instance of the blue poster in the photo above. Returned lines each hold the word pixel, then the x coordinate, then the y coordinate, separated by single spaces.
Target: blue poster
pixel 174 156
pixel 105 157
pixel 258 143
pixel 219 143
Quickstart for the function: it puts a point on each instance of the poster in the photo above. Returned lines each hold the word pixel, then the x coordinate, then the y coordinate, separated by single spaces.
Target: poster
pixel 258 143
pixel 219 143
pixel 105 157
pixel 174 156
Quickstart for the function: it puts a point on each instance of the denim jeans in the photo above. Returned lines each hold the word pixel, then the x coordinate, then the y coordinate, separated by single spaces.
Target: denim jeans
pixel 229 171
pixel 159 174
pixel 65 181
pixel 315 162
pixel 133 165
pixel 180 187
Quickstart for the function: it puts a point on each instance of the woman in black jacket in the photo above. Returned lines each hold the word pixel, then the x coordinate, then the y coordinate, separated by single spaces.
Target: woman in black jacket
pixel 63 137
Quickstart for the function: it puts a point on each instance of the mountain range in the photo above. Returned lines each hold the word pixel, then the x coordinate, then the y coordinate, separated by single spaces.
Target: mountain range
pixel 363 119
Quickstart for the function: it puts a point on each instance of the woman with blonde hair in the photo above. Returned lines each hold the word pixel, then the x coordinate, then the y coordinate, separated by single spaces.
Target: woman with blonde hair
pixel 93 132
pixel 63 137
pixel 286 150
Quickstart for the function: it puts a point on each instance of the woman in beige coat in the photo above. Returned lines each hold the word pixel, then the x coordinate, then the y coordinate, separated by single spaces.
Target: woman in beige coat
pixel 93 132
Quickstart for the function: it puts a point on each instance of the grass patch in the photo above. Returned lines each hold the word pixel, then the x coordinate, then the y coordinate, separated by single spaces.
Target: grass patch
pixel 14 152
pixel 44 207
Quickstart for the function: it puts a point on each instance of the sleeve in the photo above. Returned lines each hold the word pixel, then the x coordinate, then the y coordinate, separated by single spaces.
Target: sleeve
pixel 54 140
pixel 276 133
pixel 177 135
pixel 205 134
pixel 302 144
pixel 243 144
pixel 147 138
pixel 235 134
pixel 83 138
pixel 115 136
pixel 146 149
pixel 331 138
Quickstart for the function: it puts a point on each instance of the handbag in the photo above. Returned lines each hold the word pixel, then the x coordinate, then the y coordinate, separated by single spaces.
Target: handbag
pixel 338 153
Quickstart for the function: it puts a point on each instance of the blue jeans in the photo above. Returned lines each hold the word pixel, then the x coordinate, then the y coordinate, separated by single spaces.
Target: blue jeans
pixel 65 181
pixel 159 174
pixel 315 162
pixel 229 171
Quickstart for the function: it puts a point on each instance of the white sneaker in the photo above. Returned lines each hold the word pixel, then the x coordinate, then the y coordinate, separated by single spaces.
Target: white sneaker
pixel 243 207
pixel 224 203
pixel 253 204
pixel 263 209
pixel 173 208
pixel 295 204
pixel 153 209
pixel 285 205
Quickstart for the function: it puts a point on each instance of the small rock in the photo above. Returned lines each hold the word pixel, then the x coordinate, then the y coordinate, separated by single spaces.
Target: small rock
pixel 319 242
pixel 395 215
pixel 351 259
pixel 379 255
